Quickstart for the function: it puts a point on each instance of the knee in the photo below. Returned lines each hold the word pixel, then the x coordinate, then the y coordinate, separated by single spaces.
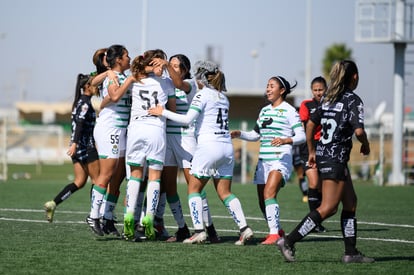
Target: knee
pixel 327 212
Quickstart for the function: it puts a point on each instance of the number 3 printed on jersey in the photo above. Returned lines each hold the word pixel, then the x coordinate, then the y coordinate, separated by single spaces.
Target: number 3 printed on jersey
pixel 328 129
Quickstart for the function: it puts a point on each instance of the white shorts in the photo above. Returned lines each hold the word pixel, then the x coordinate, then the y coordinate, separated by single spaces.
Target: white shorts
pixel 180 150
pixel 110 141
pixel 145 144
pixel 213 159
pixel 263 168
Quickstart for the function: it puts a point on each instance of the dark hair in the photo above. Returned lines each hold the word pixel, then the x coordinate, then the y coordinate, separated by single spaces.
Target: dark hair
pixel 319 79
pixel 81 81
pixel 114 52
pixel 185 65
pixel 283 83
pixel 98 60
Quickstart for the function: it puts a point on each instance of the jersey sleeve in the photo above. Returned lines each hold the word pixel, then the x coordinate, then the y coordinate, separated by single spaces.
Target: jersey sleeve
pixel 356 111
pixel 304 112
pixel 184 119
pixel 81 115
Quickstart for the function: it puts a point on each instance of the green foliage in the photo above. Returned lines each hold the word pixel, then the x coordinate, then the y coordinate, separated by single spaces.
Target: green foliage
pixel 333 54
pixel 30 245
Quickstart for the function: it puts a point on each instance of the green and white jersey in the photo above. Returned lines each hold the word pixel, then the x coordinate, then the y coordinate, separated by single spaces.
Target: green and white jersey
pixel 281 121
pixel 212 123
pixel 116 114
pixel 150 92
pixel 183 101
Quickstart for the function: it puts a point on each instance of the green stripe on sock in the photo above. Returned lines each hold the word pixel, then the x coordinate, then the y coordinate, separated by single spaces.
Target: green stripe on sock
pixel 99 189
pixel 227 200
pixel 192 195
pixel 173 199
pixel 203 194
pixel 270 201
pixel 111 198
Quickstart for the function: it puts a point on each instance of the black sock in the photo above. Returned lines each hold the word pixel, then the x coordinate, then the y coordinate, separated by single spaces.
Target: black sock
pixel 349 230
pixel 211 230
pixel 313 199
pixel 65 193
pixel 304 227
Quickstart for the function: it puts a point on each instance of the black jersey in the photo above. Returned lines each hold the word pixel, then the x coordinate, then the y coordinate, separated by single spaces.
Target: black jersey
pixel 338 121
pixel 83 122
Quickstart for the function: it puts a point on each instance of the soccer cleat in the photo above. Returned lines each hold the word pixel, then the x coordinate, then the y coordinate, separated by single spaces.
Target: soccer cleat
pixel 95 226
pixel 287 251
pixel 319 229
pixel 109 228
pixel 129 227
pixel 182 234
pixel 161 232
pixel 271 239
pixel 281 233
pixel 139 233
pixel 246 235
pixel 50 208
pixel 89 221
pixel 148 224
pixel 213 237
pixel 199 237
pixel 358 258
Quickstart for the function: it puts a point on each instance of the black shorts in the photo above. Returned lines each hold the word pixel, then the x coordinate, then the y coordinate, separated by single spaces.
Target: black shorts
pixel 298 154
pixel 86 155
pixel 333 171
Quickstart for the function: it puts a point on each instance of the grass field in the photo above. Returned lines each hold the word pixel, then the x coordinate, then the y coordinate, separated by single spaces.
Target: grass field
pixel 30 245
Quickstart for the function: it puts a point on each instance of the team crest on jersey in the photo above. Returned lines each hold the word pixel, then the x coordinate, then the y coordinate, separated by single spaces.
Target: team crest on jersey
pixel 280 112
pixel 115 149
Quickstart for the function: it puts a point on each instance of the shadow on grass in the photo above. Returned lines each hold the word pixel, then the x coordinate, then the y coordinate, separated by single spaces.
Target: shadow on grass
pixel 392 259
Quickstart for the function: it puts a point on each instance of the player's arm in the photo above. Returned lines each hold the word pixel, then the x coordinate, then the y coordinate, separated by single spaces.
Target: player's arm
pixel 115 91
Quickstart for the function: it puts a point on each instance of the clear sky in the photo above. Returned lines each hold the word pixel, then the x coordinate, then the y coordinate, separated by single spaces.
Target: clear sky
pixel 44 44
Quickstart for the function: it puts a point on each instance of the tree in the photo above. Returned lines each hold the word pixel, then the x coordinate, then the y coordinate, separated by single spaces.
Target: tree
pixel 334 53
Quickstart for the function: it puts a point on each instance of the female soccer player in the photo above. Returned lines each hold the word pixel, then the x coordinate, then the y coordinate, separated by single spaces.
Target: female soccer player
pixel 213 157
pixel 341 116
pixel 82 144
pixel 307 108
pixel 110 136
pixel 278 128
pixel 181 144
pixel 146 138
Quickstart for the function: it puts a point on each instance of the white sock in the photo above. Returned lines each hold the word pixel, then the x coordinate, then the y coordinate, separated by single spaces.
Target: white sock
pixel 131 197
pixel 272 215
pixel 206 210
pixel 196 210
pixel 153 196
pixel 96 201
pixel 103 206
pixel 235 209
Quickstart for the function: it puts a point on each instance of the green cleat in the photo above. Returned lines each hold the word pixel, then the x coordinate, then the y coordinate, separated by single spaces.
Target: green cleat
pixel 50 208
pixel 129 223
pixel 147 222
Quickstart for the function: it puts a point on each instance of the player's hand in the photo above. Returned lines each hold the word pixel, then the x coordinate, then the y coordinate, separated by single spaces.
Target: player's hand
pixel 235 134
pixel 311 163
pixel 365 150
pixel 156 111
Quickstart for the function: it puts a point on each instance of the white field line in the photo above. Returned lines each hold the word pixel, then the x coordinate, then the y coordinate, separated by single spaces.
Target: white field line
pixel 219 217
